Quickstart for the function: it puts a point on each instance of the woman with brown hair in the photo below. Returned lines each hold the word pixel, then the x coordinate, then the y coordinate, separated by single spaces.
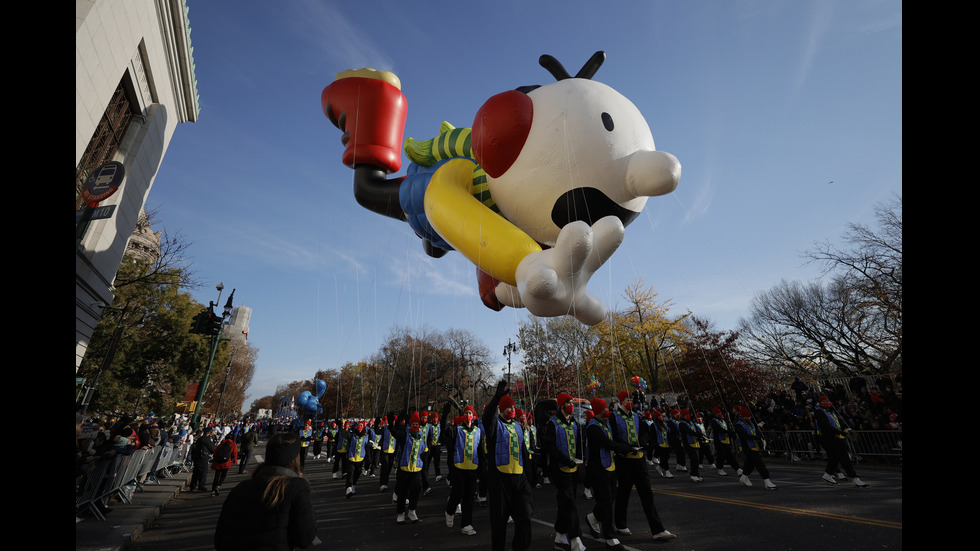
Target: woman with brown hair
pixel 273 510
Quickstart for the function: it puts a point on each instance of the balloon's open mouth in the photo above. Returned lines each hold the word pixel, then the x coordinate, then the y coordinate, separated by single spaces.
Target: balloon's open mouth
pixel 589 205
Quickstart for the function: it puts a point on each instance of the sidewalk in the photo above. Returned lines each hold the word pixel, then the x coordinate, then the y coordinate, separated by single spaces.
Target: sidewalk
pixel 126 521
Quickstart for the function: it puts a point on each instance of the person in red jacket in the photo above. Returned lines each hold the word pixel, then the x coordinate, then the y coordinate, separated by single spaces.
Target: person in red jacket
pixel 225 457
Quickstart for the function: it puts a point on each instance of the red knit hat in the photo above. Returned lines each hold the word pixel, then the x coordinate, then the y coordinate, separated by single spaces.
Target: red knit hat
pixel 623 395
pixel 562 398
pixel 744 412
pixel 415 419
pixel 685 413
pixel 470 409
pixel 505 402
pixel 716 410
pixel 598 405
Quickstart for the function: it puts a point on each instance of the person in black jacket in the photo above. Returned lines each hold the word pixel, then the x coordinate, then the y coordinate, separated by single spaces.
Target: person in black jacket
pixel 631 470
pixel 273 510
pixel 507 484
pixel 562 442
pixel 201 452
pixel 601 471
pixel 724 438
pixel 831 431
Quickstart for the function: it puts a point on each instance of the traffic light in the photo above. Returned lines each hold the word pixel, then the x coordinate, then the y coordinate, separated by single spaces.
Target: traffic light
pixel 213 322
pixel 198 325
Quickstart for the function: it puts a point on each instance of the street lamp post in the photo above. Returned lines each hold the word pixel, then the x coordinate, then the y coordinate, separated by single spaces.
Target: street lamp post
pixel 215 339
pixel 509 349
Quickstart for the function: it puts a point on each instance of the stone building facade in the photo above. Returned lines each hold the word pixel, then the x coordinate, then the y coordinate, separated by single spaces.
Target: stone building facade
pixel 134 84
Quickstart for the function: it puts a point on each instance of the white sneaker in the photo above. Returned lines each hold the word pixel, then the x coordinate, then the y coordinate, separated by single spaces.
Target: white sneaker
pixel 668 474
pixel 841 476
pixel 449 520
pixel 664 536
pixel 594 525
pixel 546 481
pixel 721 472
pixel 468 531
pixel 859 484
pixel 739 471
pixel 588 493
pixel 697 479
pixel 745 480
pixel 829 479
pixel 412 516
pixel 681 468
pixel 427 491
pixel 768 484
pixel 577 544
pixel 384 488
pixel 510 520
pixel 438 478
pixel 394 498
pixel 335 475
pixel 401 518
pixel 624 531
pixel 350 491
pixel 459 509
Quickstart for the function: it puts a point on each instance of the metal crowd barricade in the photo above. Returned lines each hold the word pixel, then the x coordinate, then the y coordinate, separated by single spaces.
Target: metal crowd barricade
pixel 98 485
pixel 124 475
pixel 798 444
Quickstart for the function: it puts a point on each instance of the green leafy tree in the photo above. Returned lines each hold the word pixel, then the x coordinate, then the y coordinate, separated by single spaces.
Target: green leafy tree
pixel 634 339
pixel 141 353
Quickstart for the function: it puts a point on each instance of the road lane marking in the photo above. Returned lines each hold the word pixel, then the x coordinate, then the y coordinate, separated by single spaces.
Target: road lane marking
pixel 779 508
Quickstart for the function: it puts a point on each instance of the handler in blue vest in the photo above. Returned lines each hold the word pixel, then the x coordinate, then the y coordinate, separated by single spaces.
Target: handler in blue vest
pixel 507 485
pixel 562 442
pixel 357 451
pixel 831 433
pixel 691 443
pixel 751 443
pixel 408 480
pixel 631 470
pixel 601 472
pixel 387 449
pixel 463 440
pixel 723 436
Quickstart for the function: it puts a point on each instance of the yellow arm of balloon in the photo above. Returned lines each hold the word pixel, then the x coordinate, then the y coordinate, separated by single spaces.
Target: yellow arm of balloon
pixel 484 237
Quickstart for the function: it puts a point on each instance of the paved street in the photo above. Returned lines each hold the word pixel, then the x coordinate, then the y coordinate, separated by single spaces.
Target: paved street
pixel 715 514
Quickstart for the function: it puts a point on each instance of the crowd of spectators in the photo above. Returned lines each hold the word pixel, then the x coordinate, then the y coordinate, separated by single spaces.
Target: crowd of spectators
pixel 102 439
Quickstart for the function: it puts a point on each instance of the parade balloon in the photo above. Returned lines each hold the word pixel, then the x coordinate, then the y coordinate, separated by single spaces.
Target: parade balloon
pixel 536 194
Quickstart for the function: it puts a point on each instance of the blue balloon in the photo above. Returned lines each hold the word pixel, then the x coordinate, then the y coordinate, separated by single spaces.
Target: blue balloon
pixel 321 387
pixel 411 196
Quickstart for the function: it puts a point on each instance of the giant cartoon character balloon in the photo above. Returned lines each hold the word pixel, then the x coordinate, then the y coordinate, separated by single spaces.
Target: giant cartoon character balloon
pixel 536 193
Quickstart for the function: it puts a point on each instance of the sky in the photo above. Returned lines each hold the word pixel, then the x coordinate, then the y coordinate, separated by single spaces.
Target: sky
pixel 786 118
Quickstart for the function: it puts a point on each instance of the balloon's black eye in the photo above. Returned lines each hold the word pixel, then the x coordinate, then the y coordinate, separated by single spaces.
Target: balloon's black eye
pixel 607 121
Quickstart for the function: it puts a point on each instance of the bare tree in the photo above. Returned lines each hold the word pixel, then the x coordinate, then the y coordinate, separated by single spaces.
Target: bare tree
pixel 852 324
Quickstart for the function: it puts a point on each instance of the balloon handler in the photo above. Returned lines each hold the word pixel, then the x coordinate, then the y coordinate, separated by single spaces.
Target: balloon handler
pixel 536 194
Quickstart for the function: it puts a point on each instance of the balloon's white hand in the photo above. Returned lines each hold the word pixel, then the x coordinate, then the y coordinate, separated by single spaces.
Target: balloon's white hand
pixel 553 282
